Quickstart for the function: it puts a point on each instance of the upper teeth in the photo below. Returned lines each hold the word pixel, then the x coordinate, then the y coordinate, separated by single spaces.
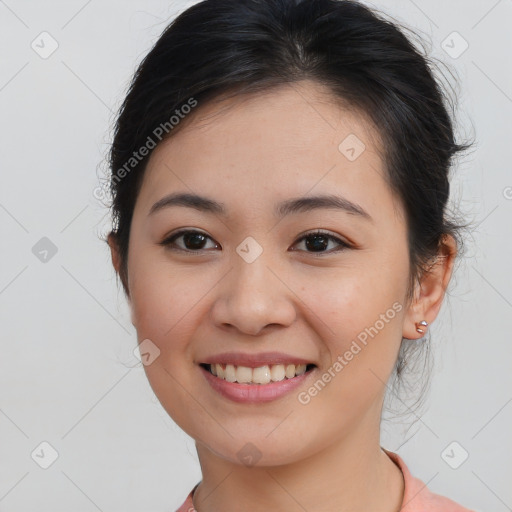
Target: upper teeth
pixel 261 375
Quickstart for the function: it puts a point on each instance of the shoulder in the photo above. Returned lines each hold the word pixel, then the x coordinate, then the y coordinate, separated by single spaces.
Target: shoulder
pixel 188 505
pixel 418 498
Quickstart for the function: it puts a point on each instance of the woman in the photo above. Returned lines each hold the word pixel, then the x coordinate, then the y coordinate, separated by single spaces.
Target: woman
pixel 280 181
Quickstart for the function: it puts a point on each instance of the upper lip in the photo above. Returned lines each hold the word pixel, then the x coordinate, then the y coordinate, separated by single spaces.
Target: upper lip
pixel 255 360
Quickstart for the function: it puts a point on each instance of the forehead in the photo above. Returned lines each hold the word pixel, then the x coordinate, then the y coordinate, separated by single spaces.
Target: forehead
pixel 294 140
pixel 293 114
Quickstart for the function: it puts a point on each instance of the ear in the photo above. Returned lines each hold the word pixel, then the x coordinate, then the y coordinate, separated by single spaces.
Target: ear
pixel 116 261
pixel 114 252
pixel 430 291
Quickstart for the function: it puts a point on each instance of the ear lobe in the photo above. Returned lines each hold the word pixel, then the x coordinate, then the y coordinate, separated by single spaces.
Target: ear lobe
pixel 430 291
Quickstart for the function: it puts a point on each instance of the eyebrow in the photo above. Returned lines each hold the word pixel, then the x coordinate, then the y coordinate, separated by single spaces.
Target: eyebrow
pixel 290 206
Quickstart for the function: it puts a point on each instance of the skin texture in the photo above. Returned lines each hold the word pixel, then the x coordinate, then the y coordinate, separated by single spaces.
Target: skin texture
pixel 263 149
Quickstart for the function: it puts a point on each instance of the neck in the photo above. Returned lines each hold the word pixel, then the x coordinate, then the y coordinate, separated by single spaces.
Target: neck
pixel 352 474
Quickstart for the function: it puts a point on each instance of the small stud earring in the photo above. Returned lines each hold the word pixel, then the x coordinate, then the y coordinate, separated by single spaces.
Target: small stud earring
pixel 423 323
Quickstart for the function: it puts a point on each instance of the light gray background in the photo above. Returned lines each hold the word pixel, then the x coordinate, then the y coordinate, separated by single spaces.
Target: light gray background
pixel 67 372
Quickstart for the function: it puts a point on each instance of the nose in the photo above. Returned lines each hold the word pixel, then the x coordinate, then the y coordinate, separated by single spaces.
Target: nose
pixel 253 298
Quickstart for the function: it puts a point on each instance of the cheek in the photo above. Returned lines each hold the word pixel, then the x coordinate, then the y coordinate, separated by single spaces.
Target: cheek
pixel 359 320
pixel 348 301
pixel 165 298
pixel 165 309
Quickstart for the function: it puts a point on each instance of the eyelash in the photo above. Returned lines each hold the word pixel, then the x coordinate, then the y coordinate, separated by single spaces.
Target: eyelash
pixel 169 241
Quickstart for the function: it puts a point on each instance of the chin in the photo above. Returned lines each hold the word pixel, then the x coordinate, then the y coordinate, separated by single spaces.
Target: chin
pixel 257 450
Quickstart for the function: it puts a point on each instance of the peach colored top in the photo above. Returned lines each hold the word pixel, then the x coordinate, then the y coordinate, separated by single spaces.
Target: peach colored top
pixel 417 497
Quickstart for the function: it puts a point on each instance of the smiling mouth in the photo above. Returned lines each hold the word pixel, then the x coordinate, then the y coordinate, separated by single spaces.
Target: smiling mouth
pixel 261 375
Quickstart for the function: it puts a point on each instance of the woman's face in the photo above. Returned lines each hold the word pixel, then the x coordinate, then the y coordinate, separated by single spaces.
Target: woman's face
pixel 254 286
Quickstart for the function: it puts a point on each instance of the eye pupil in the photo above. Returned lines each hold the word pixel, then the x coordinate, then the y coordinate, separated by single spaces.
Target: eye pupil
pixel 316 245
pixel 195 240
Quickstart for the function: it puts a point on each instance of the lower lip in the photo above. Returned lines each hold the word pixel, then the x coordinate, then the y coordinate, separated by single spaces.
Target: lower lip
pixel 254 393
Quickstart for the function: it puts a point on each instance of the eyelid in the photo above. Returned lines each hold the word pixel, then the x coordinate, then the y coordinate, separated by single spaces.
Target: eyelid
pixel 168 241
pixel 343 244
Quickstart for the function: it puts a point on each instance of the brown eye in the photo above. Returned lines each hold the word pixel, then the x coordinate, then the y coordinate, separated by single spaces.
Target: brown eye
pixel 318 241
pixel 193 241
